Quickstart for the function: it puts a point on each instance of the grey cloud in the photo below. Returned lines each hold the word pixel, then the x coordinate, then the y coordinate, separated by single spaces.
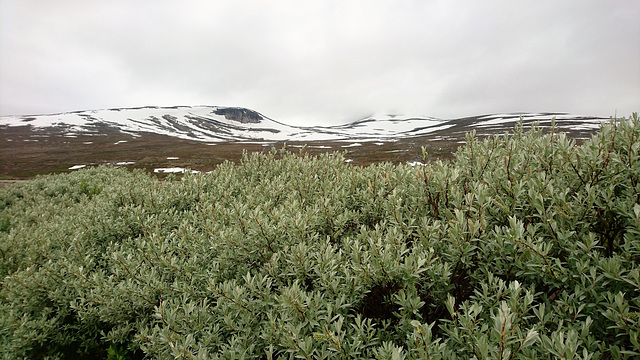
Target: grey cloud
pixel 322 62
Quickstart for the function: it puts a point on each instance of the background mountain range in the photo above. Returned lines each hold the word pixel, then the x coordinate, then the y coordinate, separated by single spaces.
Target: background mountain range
pixel 198 137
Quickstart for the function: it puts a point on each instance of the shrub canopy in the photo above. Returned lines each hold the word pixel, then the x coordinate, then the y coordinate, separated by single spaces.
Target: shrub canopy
pixel 524 246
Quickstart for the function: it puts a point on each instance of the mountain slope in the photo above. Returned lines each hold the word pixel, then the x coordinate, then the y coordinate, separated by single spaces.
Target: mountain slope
pixel 168 139
pixel 223 124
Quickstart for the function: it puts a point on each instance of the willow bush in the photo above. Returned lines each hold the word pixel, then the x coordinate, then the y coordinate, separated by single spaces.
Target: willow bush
pixel 524 246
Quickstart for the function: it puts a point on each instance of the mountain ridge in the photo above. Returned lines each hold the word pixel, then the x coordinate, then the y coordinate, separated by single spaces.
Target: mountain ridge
pixel 223 124
pixel 177 138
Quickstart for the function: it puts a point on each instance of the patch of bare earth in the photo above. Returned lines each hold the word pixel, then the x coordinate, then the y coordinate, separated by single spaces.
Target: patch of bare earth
pixel 26 152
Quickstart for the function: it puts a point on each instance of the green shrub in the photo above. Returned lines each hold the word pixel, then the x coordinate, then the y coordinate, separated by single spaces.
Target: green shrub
pixel 524 246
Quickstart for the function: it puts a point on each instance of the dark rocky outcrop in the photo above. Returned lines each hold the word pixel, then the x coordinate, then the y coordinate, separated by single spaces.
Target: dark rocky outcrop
pixel 241 115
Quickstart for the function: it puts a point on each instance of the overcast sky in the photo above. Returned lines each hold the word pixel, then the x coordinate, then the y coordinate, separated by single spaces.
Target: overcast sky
pixel 322 62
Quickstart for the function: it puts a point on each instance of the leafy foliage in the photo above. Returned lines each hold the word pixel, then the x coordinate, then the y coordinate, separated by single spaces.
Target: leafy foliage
pixel 524 246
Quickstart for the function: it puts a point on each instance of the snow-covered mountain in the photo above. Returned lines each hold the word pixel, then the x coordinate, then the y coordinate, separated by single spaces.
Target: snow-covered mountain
pixel 223 124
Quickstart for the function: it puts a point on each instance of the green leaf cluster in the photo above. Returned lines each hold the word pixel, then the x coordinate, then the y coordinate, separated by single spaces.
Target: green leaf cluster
pixel 524 246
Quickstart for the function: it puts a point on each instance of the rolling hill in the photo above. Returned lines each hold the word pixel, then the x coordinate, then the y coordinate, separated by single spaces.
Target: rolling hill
pixel 199 137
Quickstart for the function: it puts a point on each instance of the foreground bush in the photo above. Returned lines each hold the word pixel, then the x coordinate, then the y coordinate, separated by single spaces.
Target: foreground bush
pixel 524 246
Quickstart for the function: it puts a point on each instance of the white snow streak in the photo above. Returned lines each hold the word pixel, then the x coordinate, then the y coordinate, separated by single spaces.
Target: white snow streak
pixel 201 123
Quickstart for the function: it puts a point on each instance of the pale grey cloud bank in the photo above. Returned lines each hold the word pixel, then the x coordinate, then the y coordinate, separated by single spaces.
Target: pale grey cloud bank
pixel 322 62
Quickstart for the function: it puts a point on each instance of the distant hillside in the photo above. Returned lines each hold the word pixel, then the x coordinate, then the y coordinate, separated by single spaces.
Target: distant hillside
pixel 222 124
pixel 200 137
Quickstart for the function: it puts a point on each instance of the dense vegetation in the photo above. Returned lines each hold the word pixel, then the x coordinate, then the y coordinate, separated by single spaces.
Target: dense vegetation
pixel 524 246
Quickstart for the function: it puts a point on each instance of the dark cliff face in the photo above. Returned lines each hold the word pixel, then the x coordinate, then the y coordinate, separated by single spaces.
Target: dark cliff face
pixel 241 115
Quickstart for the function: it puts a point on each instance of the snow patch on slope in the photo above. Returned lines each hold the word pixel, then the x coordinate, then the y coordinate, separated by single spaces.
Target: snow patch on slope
pixel 214 124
